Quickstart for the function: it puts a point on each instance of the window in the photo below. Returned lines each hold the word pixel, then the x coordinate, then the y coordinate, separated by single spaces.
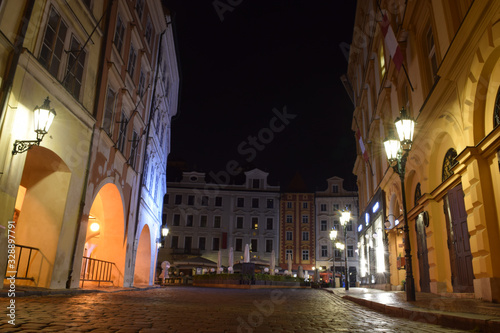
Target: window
pixel 289 235
pixel 269 223
pixel 336 225
pixel 187 244
pixel 335 207
pixel 304 205
pixel 217 221
pixel 431 54
pixel 269 245
pixel 132 57
pixel 108 111
pixel 204 200
pixel 337 253
pixel 255 183
pixel 190 200
pixel 177 220
pixel 133 149
pixel 305 254
pixel 289 219
pixel 323 207
pixel 305 218
pixel 215 244
pixel 189 220
pixel 323 225
pixel 238 245
pixel 122 134
pixel 448 163
pixel 175 242
pixel 148 33
pixel 349 226
pixel 139 7
pixel 201 243
pixel 305 235
pixel 289 205
pixel 239 222
pixel 253 245
pixel 270 203
pixel 53 42
pixel 218 201
pixel 381 63
pixel 255 222
pixel 289 254
pixel 178 199
pixel 240 202
pixel 166 198
pixel 335 189
pixel 324 251
pixel 255 202
pixel 74 69
pixel 142 82
pixel 496 112
pixel 350 251
pixel 203 221
pixel 119 34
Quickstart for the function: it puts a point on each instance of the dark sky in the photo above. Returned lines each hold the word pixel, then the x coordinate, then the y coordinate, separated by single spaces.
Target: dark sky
pixel 239 63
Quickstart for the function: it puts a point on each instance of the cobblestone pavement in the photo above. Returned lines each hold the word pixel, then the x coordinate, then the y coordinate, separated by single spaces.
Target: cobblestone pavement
pixel 190 309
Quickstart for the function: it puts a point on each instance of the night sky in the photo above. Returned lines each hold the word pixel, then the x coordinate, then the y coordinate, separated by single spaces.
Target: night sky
pixel 260 87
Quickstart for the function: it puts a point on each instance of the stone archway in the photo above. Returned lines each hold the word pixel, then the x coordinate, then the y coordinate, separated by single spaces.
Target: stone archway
pixel 108 242
pixel 40 208
pixel 142 272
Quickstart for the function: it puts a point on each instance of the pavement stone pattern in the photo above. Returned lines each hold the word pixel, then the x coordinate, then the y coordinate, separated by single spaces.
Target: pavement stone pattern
pixel 210 310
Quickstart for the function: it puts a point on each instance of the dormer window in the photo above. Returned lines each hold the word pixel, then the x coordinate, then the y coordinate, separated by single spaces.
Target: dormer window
pixel 335 189
pixel 255 183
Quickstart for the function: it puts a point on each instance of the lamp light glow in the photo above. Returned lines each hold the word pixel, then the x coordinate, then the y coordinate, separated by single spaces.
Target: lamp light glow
pixel 94 227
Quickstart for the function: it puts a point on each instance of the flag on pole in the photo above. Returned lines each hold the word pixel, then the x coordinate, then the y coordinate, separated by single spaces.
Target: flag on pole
pixel 391 42
pixel 362 146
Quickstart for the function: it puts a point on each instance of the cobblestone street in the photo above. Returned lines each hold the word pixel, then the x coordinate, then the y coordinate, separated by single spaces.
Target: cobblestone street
pixel 188 309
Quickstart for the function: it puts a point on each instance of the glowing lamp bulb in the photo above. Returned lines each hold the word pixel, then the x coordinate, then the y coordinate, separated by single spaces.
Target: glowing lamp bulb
pixel 94 227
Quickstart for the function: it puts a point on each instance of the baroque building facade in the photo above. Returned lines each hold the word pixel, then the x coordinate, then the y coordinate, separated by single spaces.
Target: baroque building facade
pixel 449 82
pixel 207 218
pixel 96 62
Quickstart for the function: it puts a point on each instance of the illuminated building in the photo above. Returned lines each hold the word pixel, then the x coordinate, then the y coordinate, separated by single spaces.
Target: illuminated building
pixel 448 80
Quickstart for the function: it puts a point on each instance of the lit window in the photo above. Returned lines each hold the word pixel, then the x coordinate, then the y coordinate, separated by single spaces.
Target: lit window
pixel 255 223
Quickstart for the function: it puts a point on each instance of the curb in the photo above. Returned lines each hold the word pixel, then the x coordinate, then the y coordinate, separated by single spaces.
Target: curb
pixel 70 292
pixel 464 321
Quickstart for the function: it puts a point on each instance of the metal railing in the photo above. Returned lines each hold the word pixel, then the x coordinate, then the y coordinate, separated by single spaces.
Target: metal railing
pixel 19 258
pixel 96 270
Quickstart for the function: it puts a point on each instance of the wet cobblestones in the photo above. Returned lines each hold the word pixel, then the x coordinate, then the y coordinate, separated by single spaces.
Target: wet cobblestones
pixel 188 309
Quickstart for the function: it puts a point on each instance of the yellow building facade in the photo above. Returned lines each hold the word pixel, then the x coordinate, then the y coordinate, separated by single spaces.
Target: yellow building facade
pixel 450 83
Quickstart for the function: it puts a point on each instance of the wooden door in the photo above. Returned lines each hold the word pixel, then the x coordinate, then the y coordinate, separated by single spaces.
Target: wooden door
pixel 458 234
pixel 423 261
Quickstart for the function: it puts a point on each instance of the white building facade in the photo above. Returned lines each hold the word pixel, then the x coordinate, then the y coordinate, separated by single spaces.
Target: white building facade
pixel 205 218
pixel 329 204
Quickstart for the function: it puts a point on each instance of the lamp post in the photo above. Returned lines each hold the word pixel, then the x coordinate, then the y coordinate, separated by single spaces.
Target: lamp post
pixel 333 236
pixel 344 219
pixel 397 154
pixel 42 118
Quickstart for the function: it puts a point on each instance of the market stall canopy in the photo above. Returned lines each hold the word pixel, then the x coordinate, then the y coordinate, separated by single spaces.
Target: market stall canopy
pixel 195 262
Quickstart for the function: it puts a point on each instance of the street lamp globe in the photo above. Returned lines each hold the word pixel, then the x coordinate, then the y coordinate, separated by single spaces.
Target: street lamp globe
pixel 405 126
pixel 392 146
pixel 345 216
pixel 333 234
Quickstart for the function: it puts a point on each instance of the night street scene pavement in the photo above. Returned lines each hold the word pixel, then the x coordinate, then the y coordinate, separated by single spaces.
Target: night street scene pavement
pixel 192 309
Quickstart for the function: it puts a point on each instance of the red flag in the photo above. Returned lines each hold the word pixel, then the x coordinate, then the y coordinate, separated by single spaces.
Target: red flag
pixel 391 42
pixel 362 146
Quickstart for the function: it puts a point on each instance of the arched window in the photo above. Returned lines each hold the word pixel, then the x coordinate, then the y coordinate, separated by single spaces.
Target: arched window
pixel 418 193
pixel 448 163
pixel 496 112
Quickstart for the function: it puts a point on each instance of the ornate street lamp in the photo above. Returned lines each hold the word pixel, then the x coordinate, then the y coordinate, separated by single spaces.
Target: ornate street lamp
pixel 42 117
pixel 333 237
pixel 164 231
pixel 397 154
pixel 344 220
